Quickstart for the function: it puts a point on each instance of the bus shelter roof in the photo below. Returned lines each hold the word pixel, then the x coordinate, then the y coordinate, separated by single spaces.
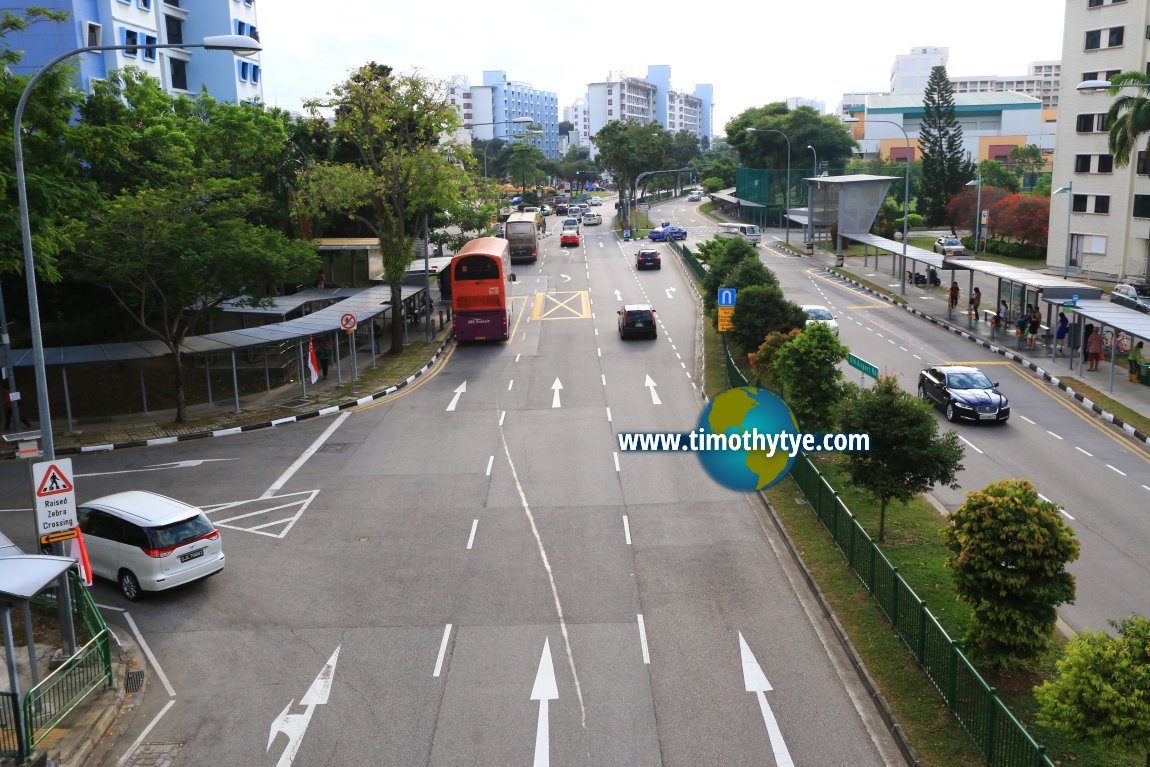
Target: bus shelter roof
pixel 894 246
pixel 1121 318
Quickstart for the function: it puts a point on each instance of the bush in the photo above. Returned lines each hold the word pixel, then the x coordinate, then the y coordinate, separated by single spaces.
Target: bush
pixel 712 184
pixel 916 222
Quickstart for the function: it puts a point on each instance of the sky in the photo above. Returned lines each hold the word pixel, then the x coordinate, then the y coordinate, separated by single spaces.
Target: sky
pixel 754 53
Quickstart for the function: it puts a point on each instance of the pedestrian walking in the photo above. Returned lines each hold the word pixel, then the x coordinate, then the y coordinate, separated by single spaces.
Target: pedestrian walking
pixel 1003 313
pixel 1035 322
pixel 323 355
pixel 953 295
pixel 1093 348
pixel 975 302
pixel 1061 333
pixel 320 280
pixel 1022 323
pixel 1134 359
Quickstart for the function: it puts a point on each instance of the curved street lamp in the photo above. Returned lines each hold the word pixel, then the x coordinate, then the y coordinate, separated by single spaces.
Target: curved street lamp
pixel 811 204
pixel 905 195
pixel 523 120
pixel 787 203
pixel 240 44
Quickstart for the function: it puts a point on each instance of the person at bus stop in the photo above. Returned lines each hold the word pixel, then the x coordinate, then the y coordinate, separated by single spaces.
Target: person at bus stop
pixel 1134 359
pixel 1022 322
pixel 953 295
pixel 1093 348
pixel 1034 322
pixel 1061 333
pixel 975 302
pixel 1003 313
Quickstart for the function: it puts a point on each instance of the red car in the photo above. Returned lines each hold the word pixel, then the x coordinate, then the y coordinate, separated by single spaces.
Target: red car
pixel 569 237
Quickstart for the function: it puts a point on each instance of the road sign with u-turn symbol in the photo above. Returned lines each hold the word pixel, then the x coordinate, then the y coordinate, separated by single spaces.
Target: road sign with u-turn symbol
pixel 726 296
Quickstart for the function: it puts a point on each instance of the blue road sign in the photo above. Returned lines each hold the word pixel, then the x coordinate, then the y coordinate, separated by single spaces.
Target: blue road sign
pixel 726 296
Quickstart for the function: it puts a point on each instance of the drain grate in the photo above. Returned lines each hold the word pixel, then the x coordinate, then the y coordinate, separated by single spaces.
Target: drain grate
pixel 334 447
pixel 135 681
pixel 152 755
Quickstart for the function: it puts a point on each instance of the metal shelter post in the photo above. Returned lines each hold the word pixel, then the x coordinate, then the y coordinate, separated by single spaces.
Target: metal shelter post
pixel 235 381
pixel 67 397
pixel 14 683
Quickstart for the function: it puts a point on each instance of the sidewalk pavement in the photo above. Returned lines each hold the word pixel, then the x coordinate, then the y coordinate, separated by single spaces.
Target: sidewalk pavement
pixel 930 303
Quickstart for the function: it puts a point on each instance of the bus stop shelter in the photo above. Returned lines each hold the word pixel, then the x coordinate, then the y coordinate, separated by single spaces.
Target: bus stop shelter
pixel 1102 314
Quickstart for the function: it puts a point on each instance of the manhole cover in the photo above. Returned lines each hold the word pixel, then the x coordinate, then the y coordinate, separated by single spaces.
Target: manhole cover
pixel 135 681
pixel 152 755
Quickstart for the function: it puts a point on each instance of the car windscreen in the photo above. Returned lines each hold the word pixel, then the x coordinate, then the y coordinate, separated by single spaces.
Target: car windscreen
pixel 178 533
pixel 638 315
pixel 952 243
pixel 968 381
pixel 820 314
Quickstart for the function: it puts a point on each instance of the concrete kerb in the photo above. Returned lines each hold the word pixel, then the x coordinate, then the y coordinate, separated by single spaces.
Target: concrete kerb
pixel 1038 370
pixel 211 433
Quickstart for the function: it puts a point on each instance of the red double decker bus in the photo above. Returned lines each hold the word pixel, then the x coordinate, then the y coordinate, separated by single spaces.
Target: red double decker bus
pixel 479 275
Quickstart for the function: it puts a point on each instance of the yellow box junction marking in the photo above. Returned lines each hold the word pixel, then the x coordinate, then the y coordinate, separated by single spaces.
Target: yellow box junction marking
pixel 566 305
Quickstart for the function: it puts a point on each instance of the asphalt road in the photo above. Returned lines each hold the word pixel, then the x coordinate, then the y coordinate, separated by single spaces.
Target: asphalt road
pixel 1100 478
pixel 473 574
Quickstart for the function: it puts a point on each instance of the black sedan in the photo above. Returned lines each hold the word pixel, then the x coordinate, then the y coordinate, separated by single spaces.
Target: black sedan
pixel 963 392
pixel 648 259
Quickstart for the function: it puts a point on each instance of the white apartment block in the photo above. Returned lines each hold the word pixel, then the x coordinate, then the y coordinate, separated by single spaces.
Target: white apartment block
pixel 645 100
pixel 1042 82
pixel 911 71
pixel 1105 208
pixel 619 98
pixel 794 102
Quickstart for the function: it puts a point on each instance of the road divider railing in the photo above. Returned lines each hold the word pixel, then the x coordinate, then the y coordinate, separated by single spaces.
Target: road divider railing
pixel 1001 738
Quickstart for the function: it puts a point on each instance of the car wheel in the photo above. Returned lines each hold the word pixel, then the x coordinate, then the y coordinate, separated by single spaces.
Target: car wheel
pixel 950 414
pixel 130 586
pixel 921 392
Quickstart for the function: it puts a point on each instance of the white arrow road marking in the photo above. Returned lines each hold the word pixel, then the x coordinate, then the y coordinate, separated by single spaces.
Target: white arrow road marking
pixel 556 387
pixel 543 691
pixel 670 292
pixel 754 680
pixel 654 395
pixel 455 400
pixel 566 277
pixel 294 725
pixel 190 464
pixel 618 295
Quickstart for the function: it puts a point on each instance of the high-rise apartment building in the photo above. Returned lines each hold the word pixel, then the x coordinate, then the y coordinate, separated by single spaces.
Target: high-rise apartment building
pixel 911 71
pixel 1042 83
pixel 647 100
pixel 225 75
pixel 1105 208
pixel 488 109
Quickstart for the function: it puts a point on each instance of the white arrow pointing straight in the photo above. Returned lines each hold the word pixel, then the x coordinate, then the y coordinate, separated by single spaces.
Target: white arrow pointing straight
pixel 543 691
pixel 556 387
pixel 566 277
pixel 670 292
pixel 294 725
pixel 754 680
pixel 654 395
pixel 455 400
pixel 618 295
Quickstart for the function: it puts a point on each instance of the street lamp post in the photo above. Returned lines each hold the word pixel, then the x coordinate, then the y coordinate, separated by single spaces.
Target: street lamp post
pixel 811 202
pixel 1067 190
pixel 787 203
pixel 239 44
pixel 977 209
pixel 514 120
pixel 905 196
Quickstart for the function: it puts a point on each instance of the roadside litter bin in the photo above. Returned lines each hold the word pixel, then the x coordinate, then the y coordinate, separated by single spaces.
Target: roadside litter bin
pixel 810 248
pixel 838 259
pixel 1144 373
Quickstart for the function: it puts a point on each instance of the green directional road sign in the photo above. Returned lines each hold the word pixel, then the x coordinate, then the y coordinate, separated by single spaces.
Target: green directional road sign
pixel 860 364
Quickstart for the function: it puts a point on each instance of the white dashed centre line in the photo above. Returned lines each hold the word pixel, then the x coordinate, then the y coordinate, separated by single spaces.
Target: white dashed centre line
pixel 1117 470
pixel 643 640
pixel 471 538
pixel 502 416
pixel 1032 423
pixel 1084 452
pixel 490 462
pixel 626 530
pixel 608 415
pixel 1048 431
pixel 972 445
pixel 603 378
pixel 616 456
pixel 510 384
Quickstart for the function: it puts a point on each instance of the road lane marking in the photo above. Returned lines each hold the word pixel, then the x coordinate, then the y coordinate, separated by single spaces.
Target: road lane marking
pixel 967 441
pixel 1115 469
pixel 608 415
pixel 299 462
pixel 1032 423
pixel 598 351
pixel 510 384
pixel 147 730
pixel 1048 431
pixel 490 462
pixel 1084 452
pixel 517 356
pixel 471 538
pixel 643 640
pixel 442 647
pixel 626 530
pixel 603 378
pixel 502 416
pixel 616 455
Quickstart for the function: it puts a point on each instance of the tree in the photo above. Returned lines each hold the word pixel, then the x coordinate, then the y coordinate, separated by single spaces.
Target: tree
pixel 566 126
pixel 522 164
pixel 944 169
pixel 1128 117
pixel 1027 161
pixel 628 149
pixel 1025 217
pixel 402 173
pixel 1009 551
pixel 803 126
pixel 761 310
pixel 1102 690
pixel 807 370
pixel 763 359
pixel 960 210
pixel 907 455
pixel 722 257
pixel 997 175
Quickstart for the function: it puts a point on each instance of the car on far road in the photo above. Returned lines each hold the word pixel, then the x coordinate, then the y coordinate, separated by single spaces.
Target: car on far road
pixel 148 542
pixel 569 237
pixel 821 315
pixel 949 246
pixel 561 209
pixel 963 392
pixel 648 259
pixel 664 233
pixel 545 210
pixel 1132 296
pixel 571 223
pixel 637 320
pixel 695 196
pixel 591 219
pixel 595 202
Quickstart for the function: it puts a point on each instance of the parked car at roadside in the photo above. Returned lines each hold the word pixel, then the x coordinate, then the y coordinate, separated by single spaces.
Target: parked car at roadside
pixel 1132 296
pixel 949 246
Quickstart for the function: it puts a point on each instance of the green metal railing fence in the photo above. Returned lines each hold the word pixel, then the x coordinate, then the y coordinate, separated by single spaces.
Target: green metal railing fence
pixel 995 731
pixel 9 737
pixel 734 376
pixel 685 253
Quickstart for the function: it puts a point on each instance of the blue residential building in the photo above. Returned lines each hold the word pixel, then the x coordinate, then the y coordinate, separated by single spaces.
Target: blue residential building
pixel 226 76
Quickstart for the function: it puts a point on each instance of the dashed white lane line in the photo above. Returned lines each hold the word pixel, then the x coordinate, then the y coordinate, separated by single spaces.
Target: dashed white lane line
pixel 490 463
pixel 598 351
pixel 1115 469
pixel 608 415
pixel 616 456
pixel 904 348
pixel 1032 423
pixel 510 384
pixel 917 357
pixel 643 639
pixel 502 416
pixel 1048 431
pixel 471 538
pixel 972 445
pixel 1084 452
pixel 1146 487
pixel 626 530
pixel 603 378
pixel 596 331
pixel 443 649
pixel 1061 510
pixel 517 356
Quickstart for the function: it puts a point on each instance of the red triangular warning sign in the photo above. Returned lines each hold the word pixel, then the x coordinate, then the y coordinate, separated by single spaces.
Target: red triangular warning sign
pixel 54 483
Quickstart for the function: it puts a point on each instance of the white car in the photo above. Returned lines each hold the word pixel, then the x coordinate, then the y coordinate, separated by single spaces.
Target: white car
pixel 695 196
pixel 148 542
pixel 590 219
pixel 594 202
pixel 821 314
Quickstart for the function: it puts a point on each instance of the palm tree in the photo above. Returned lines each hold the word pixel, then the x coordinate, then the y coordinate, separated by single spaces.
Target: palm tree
pixel 1129 116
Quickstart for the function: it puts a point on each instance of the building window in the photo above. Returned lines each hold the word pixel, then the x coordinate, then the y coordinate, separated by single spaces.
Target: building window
pixel 1116 35
pixel 1102 204
pixel 1142 206
pixel 255 74
pixel 1090 123
pixel 95 34
pixel 129 37
pixel 149 47
pixel 1140 164
pixel 1093 3
pixel 1105 163
pixel 179 73
pixel 242 68
pixel 145 4
pixel 1079 204
pixel 1094 39
pixel 1081 163
pixel 173 29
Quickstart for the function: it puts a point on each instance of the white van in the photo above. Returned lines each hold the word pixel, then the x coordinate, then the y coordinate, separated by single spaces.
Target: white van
pixel 748 232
